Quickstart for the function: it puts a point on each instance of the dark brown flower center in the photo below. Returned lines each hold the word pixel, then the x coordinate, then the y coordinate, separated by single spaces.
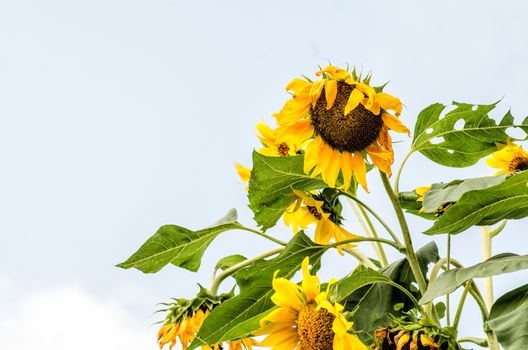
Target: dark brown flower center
pixel 353 132
pixel 283 149
pixel 518 163
pixel 315 213
pixel 315 328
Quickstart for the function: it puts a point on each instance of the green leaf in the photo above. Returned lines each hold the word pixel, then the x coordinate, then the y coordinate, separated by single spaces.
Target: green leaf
pixel 450 280
pixel 440 309
pixel 372 306
pixel 228 261
pixel 509 321
pixel 178 245
pixel 440 194
pixel 271 186
pixel 240 315
pixel 359 278
pixel 436 137
pixel 507 200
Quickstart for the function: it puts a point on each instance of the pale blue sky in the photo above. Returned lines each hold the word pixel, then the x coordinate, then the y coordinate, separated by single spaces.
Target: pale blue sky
pixel 120 116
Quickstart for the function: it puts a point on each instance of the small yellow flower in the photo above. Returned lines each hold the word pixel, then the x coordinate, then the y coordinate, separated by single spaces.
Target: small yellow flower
pixel 510 159
pixel 305 319
pixel 340 119
pixel 420 191
pixel 307 210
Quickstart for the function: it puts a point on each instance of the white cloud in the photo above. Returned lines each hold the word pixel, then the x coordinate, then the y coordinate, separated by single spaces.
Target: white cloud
pixel 68 317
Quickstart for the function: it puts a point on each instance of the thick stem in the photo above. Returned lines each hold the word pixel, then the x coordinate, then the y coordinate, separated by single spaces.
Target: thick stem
pixel 228 272
pixel 448 304
pixel 380 220
pixel 409 249
pixel 486 254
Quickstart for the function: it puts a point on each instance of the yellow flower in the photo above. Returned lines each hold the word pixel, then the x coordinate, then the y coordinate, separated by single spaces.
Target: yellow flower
pixel 274 147
pixel 510 159
pixel 186 330
pixel 307 210
pixel 340 119
pixel 421 192
pixel 305 319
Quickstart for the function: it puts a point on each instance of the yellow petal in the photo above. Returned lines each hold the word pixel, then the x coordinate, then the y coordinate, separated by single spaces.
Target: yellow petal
pixel 360 169
pixel 311 154
pixel 331 171
pixel 310 284
pixel 315 91
pixel 330 93
pixel 346 168
pixel 287 293
pixel 387 102
pixel 353 101
pixel 395 124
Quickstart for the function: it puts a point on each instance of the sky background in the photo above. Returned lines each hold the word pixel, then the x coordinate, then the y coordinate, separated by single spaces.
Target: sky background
pixel 120 116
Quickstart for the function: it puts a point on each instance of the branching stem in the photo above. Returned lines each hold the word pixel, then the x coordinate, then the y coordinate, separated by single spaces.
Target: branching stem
pixel 262 234
pixel 229 271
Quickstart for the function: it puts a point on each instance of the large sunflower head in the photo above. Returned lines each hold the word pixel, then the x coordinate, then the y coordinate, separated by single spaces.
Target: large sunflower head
pixel 343 119
pixel 324 212
pixel 305 319
pixel 510 159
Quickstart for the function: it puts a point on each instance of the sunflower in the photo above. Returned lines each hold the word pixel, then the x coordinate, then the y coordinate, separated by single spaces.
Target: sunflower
pixel 305 319
pixel 510 159
pixel 341 118
pixel 307 209
pixel 392 339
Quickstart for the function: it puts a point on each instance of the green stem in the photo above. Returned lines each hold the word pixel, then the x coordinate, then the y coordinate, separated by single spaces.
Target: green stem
pixel 458 313
pixel 479 341
pixel 383 223
pixel 229 271
pixel 409 249
pixel 365 239
pixel 397 180
pixel 378 248
pixel 262 234
pixel 486 254
pixel 361 258
pixel 383 257
pixel 448 306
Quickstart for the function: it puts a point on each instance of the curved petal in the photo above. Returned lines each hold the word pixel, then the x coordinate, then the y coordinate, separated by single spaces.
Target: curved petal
pixel 395 124
pixel 310 284
pixel 311 155
pixel 330 93
pixel 287 293
pixel 360 169
pixel 387 101
pixel 354 100
pixel 346 168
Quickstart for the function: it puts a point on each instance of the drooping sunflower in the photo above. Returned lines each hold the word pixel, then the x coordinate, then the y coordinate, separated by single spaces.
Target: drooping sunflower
pixel 310 208
pixel 186 330
pixel 305 319
pixel 185 318
pixel 342 118
pixel 510 159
